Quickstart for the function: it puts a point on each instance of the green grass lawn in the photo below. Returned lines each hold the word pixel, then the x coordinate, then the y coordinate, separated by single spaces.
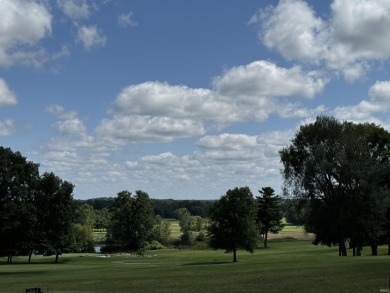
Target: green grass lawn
pixel 295 266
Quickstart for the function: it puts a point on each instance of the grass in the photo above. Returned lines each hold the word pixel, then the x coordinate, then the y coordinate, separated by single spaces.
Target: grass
pixel 295 266
pixel 175 228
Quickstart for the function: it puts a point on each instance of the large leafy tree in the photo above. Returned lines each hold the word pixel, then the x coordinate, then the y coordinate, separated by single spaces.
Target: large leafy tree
pixel 269 213
pixel 56 213
pixel 338 169
pixel 18 186
pixel 132 220
pixel 233 221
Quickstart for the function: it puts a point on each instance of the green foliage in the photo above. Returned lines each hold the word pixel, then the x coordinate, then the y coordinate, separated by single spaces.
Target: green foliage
pixel 161 230
pixel 18 186
pixel 269 213
pixel 85 215
pixel 154 245
pixel 166 207
pixel 233 221
pixel 35 211
pixel 186 226
pixel 83 235
pixel 131 220
pixel 102 218
pixel 55 198
pixel 340 171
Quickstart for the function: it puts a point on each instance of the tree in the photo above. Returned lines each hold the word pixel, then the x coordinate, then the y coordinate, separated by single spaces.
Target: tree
pixel 131 220
pixel 55 208
pixel 233 221
pixel 161 230
pixel 269 213
pixel 18 183
pixel 102 218
pixel 83 236
pixel 186 223
pixel 85 215
pixel 338 170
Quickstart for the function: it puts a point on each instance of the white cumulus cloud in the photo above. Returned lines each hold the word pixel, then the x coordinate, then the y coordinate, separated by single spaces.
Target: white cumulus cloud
pixel 266 79
pixel 379 102
pixel 22 25
pixel 135 129
pixel 354 35
pixel 245 93
pixel 7 97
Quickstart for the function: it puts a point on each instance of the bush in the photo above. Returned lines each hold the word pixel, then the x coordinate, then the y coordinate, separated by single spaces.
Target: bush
pixel 155 245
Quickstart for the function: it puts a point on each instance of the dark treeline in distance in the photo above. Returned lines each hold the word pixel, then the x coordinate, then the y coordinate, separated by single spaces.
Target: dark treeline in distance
pixel 163 207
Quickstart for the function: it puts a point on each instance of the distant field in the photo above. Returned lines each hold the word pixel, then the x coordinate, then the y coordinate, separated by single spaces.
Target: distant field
pixel 292 231
pixel 289 231
pixel 175 228
pixel 295 266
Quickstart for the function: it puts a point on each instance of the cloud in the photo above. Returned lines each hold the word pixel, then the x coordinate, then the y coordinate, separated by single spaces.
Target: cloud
pixel 222 161
pixel 7 127
pixel 127 19
pixel 379 102
pixel 136 129
pixel 245 93
pixel 266 79
pixel 293 29
pixel 7 97
pixel 75 9
pixel 70 124
pixel 91 37
pixel 22 25
pixel 354 35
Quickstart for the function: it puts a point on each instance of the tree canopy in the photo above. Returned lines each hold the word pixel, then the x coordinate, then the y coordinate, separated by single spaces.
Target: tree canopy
pixel 132 220
pixel 339 169
pixel 233 221
pixel 18 187
pixel 35 210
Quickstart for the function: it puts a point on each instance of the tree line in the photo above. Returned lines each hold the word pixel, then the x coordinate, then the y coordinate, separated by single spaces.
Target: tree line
pixel 35 210
pixel 39 215
pixel 336 184
pixel 166 208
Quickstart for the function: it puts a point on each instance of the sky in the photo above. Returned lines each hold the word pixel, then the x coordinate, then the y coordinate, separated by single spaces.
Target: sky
pixel 183 99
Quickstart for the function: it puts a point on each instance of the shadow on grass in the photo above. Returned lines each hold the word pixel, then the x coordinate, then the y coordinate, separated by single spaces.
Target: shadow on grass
pixel 46 261
pixel 207 263
pixel 22 273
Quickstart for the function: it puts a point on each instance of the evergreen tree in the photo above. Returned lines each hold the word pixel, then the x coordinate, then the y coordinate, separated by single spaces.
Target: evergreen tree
pixel 269 213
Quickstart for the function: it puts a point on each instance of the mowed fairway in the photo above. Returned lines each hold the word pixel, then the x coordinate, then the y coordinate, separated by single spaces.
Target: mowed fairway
pixel 295 266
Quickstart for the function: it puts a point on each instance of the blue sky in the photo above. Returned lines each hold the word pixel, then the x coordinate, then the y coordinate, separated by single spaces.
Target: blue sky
pixel 183 99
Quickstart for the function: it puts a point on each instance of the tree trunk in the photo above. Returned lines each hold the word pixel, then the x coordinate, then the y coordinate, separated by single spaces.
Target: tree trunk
pixel 234 255
pixel 374 249
pixel 342 249
pixel 358 250
pixel 9 260
pixel 266 239
pixel 57 253
pixel 29 256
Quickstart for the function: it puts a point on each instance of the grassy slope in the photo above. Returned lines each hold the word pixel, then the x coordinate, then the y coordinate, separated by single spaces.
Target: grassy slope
pixel 295 266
